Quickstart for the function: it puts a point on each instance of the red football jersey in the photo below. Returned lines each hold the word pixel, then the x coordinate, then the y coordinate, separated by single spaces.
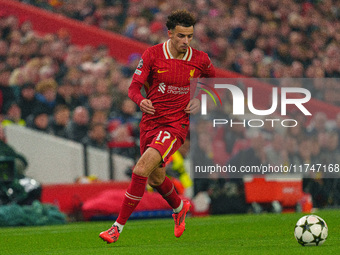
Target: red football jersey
pixel 167 83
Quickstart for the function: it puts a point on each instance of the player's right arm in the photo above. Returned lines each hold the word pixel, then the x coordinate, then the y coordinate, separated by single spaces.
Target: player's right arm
pixel 140 76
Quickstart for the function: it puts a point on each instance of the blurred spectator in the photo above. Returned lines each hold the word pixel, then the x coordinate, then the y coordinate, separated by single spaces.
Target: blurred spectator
pixel 100 102
pixel 96 136
pixel 305 150
pixel 66 94
pixel 292 150
pixel 315 150
pixel 99 117
pixel 87 88
pixel 330 154
pixel 128 118
pixel 123 129
pixel 252 156
pixel 38 120
pixel 276 153
pixel 59 120
pixel 13 60
pixel 298 132
pixel 128 113
pixel 27 100
pixel 58 50
pixel 13 115
pixel 103 86
pixel 7 92
pixel 30 70
pixel 77 127
pixel 318 124
pixel 101 52
pixel 232 135
pixel 46 95
pixel 3 50
pixel 120 92
pixel 202 155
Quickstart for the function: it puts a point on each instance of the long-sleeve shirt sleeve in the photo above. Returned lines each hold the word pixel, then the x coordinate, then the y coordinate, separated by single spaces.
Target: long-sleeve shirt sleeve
pixel 134 92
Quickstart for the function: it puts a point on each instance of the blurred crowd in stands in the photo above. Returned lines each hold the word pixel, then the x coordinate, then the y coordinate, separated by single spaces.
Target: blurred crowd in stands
pixel 52 86
pixel 80 93
pixel 266 38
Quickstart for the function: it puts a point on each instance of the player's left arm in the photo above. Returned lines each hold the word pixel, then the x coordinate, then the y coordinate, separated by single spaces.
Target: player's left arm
pixel 208 72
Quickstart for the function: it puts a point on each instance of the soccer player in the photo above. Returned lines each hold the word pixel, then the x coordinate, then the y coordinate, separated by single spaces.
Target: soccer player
pixel 165 71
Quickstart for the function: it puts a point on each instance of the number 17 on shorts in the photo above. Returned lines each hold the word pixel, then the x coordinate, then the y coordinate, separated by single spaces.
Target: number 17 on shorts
pixel 166 143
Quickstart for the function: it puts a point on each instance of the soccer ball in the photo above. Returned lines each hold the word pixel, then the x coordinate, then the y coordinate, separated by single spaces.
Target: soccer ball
pixel 311 230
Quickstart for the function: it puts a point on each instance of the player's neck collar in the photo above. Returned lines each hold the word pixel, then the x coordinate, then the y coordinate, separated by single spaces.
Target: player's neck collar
pixel 168 55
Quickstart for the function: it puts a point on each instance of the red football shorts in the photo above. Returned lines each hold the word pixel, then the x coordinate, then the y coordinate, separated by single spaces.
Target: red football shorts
pixel 166 140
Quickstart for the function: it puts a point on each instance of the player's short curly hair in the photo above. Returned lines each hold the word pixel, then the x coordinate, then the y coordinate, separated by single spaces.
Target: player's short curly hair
pixel 180 18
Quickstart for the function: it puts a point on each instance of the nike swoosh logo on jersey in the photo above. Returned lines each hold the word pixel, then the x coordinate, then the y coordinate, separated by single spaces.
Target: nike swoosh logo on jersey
pixel 160 71
pixel 159 143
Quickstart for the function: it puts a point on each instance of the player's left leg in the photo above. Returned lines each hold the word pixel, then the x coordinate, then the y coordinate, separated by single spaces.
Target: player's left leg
pixel 159 181
pixel 149 161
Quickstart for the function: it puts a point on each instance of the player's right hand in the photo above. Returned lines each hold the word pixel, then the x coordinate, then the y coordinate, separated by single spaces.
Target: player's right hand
pixel 147 107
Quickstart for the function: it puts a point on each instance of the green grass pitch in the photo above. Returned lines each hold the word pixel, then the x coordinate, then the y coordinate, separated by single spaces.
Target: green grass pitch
pixel 227 234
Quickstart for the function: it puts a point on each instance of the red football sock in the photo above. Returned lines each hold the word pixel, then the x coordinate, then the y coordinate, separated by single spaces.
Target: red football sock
pixel 132 197
pixel 167 190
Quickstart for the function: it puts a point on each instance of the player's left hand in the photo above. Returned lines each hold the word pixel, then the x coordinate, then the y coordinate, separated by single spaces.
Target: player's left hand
pixel 193 106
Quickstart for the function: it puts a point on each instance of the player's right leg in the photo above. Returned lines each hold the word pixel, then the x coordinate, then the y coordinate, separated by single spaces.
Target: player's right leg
pixel 149 161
